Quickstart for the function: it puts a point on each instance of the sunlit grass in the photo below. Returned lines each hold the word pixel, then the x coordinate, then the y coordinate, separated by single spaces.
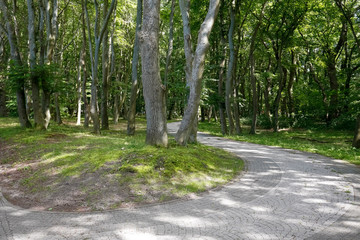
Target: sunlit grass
pixel 51 158
pixel 327 142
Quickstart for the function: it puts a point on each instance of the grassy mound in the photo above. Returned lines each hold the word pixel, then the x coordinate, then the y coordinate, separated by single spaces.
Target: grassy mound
pixel 69 169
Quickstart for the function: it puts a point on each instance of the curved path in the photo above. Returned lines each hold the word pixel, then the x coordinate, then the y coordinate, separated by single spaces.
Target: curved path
pixel 284 194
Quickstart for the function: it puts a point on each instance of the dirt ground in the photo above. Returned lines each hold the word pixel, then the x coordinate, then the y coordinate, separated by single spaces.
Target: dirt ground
pixel 92 191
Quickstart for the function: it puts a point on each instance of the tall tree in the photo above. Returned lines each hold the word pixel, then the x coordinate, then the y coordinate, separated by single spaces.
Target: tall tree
pixel 252 70
pixel 134 71
pixel 17 64
pixel 197 68
pixel 156 130
pixel 94 57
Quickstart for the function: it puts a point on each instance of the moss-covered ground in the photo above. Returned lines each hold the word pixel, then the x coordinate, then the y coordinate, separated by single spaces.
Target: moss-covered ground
pixel 68 168
pixel 328 142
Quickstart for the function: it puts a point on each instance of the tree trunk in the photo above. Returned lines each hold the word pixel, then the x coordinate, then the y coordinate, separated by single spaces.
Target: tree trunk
pixel 35 74
pixel 156 131
pixel 134 71
pixel 252 72
pixel 334 88
pixel 224 129
pixel 84 70
pixel 78 91
pixel 188 125
pixel 94 56
pixel 3 109
pixel 57 109
pixel 105 74
pixel 292 74
pixel 52 27
pixel 229 81
pixel 170 48
pixel 282 83
pixel 267 91
pixel 356 141
pixel 17 66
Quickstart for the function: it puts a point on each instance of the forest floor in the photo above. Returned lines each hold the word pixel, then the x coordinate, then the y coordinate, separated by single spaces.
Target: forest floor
pixel 328 142
pixel 69 169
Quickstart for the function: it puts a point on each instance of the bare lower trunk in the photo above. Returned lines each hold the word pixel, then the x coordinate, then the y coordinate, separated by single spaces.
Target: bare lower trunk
pixel 156 130
pixel 334 87
pixel 105 73
pixel 282 83
pixel 356 141
pixel 229 88
pixel 224 129
pixel 46 104
pixel 170 48
pixel 78 90
pixel 252 73
pixel 290 100
pixel 84 71
pixel 134 76
pixel 57 109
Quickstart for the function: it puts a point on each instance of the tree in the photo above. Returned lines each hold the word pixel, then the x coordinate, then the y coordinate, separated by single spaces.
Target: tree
pixel 194 70
pixel 153 90
pixel 17 68
pixel 94 57
pixel 134 76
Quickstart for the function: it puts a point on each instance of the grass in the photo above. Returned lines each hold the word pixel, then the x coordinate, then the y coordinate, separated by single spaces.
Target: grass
pixel 43 163
pixel 332 143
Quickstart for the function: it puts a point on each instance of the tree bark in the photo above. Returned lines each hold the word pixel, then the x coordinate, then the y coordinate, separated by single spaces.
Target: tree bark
pixel 290 101
pixel 282 83
pixel 356 141
pixel 153 90
pixel 105 74
pixel 134 71
pixel 78 90
pixel 188 125
pixel 34 74
pixel 84 69
pixel 229 88
pixel 252 72
pixel 17 65
pixel 222 108
pixel 170 47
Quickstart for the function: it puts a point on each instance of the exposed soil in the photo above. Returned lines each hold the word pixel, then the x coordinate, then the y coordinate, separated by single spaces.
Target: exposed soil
pixel 92 191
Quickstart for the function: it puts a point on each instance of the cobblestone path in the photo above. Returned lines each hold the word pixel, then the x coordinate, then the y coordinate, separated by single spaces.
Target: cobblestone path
pixel 284 194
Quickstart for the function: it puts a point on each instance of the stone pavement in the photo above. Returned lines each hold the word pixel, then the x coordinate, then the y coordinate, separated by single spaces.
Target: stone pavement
pixel 284 194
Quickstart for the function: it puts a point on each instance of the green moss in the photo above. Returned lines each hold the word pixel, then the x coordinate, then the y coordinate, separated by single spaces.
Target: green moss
pixel 68 151
pixel 331 143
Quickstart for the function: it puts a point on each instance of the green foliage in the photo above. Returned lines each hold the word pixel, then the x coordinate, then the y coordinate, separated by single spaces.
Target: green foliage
pixel 264 122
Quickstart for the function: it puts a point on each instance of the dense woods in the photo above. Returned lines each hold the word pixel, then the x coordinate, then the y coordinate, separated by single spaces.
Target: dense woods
pixel 272 63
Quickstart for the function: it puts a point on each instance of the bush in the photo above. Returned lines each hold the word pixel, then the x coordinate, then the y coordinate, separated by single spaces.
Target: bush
pixel 264 122
pixel 303 121
pixel 344 122
pixel 285 122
